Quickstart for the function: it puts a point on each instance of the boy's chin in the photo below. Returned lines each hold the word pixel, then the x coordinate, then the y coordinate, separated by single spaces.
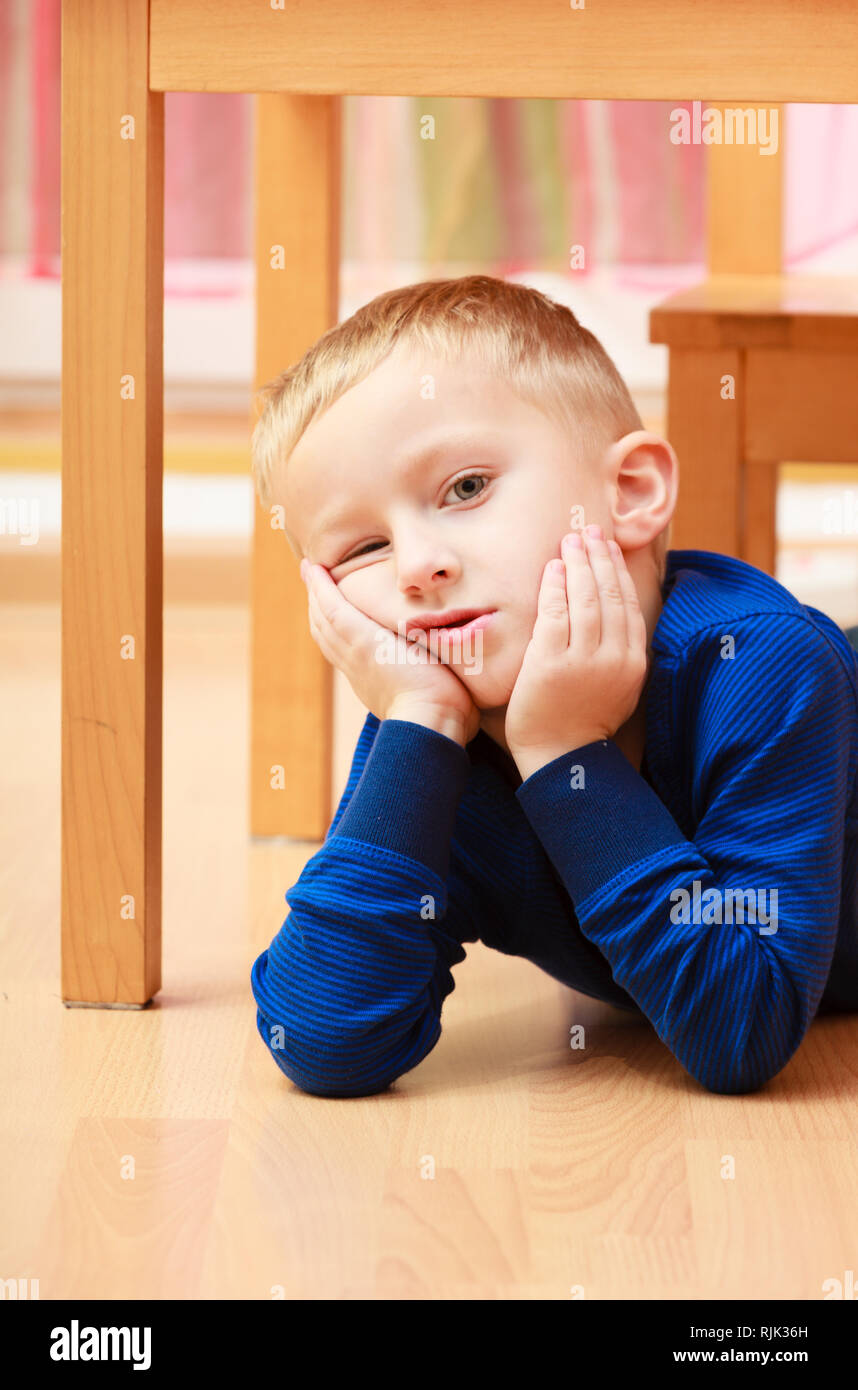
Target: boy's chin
pixel 486 690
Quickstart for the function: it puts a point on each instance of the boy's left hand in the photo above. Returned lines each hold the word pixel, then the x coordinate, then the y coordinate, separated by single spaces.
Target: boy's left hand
pixel 586 664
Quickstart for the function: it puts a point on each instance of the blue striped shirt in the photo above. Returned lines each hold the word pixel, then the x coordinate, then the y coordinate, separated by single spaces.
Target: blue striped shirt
pixel 715 891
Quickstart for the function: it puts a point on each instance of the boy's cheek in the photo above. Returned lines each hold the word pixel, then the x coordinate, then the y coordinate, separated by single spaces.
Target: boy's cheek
pixel 357 595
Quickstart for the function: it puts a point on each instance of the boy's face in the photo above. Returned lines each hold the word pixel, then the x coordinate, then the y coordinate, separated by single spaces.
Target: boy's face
pixel 429 542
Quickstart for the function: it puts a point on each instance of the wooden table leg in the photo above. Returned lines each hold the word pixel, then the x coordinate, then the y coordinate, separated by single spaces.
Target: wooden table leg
pixel 704 415
pixel 112 461
pixel 297 299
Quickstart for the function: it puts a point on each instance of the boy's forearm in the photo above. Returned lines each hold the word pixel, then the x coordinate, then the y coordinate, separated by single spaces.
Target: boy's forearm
pixel 349 993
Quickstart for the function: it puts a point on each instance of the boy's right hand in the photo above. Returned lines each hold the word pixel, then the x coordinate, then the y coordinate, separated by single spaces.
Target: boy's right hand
pixel 425 692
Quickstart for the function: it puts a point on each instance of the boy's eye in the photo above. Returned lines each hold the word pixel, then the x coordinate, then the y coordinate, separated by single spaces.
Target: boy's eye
pixel 371 545
pixel 468 478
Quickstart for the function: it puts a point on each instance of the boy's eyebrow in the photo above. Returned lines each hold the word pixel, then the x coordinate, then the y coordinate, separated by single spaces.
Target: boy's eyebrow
pixel 410 465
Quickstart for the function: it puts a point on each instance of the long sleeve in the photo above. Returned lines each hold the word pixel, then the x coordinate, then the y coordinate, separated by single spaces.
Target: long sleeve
pixel 349 993
pixel 773 745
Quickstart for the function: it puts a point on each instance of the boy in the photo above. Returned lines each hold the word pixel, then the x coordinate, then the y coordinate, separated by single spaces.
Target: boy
pixel 636 768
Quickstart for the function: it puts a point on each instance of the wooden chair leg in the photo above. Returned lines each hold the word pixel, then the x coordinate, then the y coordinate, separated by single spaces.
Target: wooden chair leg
pixel 112 459
pixel 297 298
pixel 704 427
pixel 744 202
pixel 759 515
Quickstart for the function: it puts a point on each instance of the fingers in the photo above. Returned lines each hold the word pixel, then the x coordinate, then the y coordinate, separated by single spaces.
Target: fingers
pixel 584 580
pixel 326 613
pixel 329 607
pixel 341 629
pixel 551 629
pixel 324 595
pixel 319 628
pixel 611 605
pixel 635 621
pixel 598 595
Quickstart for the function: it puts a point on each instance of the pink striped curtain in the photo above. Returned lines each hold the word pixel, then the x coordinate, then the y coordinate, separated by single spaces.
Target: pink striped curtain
pixel 508 185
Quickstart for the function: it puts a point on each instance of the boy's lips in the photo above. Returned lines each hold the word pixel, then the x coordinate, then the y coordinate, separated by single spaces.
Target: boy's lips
pixel 453 620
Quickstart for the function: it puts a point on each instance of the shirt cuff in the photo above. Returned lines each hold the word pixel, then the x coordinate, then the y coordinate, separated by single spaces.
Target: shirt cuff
pixel 595 816
pixel 407 795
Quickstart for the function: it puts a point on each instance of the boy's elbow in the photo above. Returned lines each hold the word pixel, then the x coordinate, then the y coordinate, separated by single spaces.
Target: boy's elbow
pixel 728 1077
pixel 340 1090
pixel 731 1086
pixel 317 1073
pixel 747 1060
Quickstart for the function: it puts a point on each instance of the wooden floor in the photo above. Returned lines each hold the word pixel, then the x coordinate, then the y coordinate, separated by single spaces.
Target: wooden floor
pixel 162 1154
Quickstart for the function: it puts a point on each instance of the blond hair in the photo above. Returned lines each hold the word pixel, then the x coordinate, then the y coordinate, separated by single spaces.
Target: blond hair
pixel 519 334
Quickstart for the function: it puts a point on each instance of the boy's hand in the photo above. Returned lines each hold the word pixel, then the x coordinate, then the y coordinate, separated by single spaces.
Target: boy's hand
pixel 375 661
pixel 586 663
